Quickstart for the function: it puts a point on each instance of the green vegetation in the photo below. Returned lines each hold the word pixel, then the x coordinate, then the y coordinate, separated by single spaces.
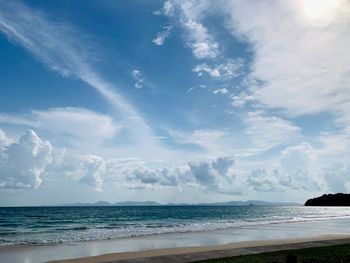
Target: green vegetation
pixel 329 254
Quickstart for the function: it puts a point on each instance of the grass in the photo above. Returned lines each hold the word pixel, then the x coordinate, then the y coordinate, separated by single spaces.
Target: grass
pixel 329 254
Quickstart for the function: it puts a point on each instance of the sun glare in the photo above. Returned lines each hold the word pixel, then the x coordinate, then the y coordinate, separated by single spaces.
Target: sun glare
pixel 318 9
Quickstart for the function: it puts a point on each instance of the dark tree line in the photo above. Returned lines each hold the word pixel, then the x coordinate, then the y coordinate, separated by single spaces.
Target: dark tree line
pixel 330 200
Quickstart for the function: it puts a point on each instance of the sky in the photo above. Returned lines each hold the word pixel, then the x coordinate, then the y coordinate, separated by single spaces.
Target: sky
pixel 173 101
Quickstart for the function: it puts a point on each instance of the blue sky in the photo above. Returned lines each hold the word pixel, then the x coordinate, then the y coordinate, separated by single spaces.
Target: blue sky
pixel 173 101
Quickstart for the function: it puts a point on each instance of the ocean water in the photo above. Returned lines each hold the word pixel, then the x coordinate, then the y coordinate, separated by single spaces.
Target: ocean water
pixel 52 225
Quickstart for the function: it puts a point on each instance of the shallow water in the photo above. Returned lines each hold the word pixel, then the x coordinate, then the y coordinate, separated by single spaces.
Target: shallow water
pixel 39 253
pixel 52 225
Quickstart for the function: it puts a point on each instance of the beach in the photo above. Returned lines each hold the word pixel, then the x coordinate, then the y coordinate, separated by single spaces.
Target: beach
pixel 193 254
pixel 179 243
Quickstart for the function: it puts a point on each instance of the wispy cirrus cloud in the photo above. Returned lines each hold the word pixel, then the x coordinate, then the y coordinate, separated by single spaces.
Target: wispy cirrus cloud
pixel 301 55
pixel 62 48
pixel 188 15
pixel 267 132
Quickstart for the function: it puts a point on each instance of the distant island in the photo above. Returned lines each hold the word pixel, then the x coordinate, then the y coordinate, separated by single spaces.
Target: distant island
pixel 152 203
pixel 330 200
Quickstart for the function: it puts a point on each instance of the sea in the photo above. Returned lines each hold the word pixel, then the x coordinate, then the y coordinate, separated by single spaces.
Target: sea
pixel 55 225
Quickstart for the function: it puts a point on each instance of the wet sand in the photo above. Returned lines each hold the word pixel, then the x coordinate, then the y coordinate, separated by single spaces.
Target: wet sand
pixel 191 254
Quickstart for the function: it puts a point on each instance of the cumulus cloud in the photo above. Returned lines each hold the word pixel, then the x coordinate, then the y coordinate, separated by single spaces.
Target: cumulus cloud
pixel 131 173
pixel 222 165
pixel 203 173
pixel 23 163
pixel 337 177
pixel 26 163
pixel 260 180
pixel 90 170
pixel 161 36
pixel 214 175
pixel 161 177
pixel 297 168
pixel 4 141
pixel 280 180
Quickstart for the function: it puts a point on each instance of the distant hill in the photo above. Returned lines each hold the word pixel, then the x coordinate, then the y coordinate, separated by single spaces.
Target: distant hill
pixel 126 203
pixel 330 200
pixel 152 203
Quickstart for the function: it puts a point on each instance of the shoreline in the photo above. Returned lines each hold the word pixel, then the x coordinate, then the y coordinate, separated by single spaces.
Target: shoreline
pixel 210 252
pixel 172 233
pixel 190 242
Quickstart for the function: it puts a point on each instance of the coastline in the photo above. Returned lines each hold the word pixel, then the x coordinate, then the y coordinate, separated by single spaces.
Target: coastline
pixel 190 254
pixel 64 251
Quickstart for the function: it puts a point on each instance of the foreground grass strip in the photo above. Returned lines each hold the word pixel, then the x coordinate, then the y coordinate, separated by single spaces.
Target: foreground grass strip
pixel 329 254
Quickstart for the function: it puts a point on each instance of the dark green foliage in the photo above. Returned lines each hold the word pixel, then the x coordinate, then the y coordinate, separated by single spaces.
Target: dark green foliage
pixel 329 254
pixel 330 200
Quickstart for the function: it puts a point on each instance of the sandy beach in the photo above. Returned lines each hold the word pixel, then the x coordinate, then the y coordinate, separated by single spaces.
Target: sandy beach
pixel 208 252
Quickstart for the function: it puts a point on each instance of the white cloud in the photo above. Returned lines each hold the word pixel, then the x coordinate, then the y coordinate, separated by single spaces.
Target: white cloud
pixel 86 169
pixel 137 75
pixel 58 47
pixel 241 99
pixel 4 141
pixel 27 163
pixel 302 63
pixel 203 173
pixel 260 180
pixel 190 89
pixel 167 9
pixel 222 91
pixel 187 14
pixel 222 165
pixel 138 85
pixel 228 70
pixel 161 177
pixel 23 163
pixel 337 177
pixel 199 69
pixel 267 132
pixel 76 121
pixel 199 40
pixel 161 36
pixel 212 142
pixel 296 168
pixel 73 124
pixel 214 176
